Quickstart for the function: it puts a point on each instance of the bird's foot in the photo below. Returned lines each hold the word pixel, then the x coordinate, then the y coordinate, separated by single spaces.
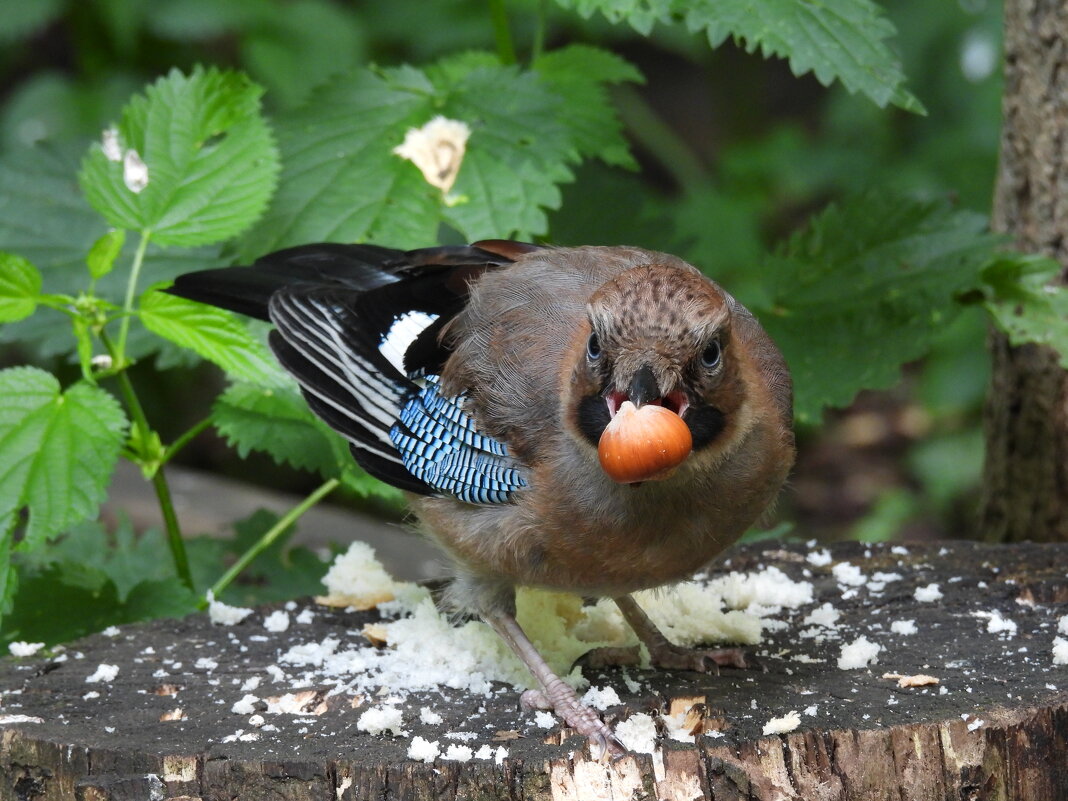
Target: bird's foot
pixel 702 660
pixel 564 702
pixel 610 656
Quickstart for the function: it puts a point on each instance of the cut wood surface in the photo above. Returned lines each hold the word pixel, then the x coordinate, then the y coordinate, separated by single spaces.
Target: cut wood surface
pixel 995 726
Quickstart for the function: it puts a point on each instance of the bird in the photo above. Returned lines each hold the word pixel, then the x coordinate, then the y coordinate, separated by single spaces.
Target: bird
pixel 483 380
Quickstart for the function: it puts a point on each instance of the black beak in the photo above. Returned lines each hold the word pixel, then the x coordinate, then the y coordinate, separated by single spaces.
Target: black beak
pixel 643 387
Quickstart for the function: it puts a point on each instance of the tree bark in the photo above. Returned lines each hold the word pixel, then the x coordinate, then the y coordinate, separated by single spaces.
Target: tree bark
pixel 1025 482
pixel 994 727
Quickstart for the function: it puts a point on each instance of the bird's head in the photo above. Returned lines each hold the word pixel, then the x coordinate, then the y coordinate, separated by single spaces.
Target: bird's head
pixel 657 335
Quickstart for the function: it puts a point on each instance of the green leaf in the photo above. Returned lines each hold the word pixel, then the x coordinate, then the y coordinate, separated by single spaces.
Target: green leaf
pixel 212 333
pixel 104 251
pixel 23 19
pixel 42 608
pixel 57 450
pixel 277 573
pixel 1025 304
pixel 299 45
pixel 341 180
pixel 20 286
pixel 579 74
pixel 833 39
pixel 864 289
pixel 277 421
pixel 211 162
pixel 8 577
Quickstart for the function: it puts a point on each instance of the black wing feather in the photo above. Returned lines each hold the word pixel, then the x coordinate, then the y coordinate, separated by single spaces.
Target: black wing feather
pixel 333 306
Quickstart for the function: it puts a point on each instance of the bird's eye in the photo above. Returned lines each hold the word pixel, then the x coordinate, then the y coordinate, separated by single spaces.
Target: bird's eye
pixel 712 353
pixel 593 348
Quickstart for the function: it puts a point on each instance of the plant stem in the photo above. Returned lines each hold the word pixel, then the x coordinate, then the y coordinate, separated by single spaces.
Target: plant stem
pixel 539 32
pixel 183 440
pixel 505 48
pixel 131 292
pixel 159 484
pixel 270 536
pixel 159 480
pixel 666 145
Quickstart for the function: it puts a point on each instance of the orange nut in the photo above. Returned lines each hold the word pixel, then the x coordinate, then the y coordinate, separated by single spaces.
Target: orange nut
pixel 643 444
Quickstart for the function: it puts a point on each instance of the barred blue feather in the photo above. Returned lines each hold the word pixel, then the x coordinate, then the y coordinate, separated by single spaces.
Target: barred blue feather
pixel 440 445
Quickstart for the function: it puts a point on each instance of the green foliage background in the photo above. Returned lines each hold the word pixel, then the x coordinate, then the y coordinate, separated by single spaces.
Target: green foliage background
pixel 831 164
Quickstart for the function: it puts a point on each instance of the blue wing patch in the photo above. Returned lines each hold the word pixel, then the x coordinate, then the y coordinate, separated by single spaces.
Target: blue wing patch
pixel 439 444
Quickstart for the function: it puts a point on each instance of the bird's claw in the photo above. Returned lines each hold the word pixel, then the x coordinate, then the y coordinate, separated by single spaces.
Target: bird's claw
pixel 610 656
pixel 701 660
pixel 576 715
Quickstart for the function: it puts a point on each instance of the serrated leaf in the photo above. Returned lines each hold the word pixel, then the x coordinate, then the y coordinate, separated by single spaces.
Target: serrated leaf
pixel 104 251
pixel 512 170
pixel 833 39
pixel 1025 304
pixel 57 450
pixel 341 180
pixel 20 286
pixel 579 74
pixel 864 289
pixel 212 333
pixel 211 161
pixel 277 421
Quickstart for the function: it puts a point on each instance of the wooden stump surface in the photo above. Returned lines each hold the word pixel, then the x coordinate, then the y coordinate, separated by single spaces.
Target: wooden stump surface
pixel 996 727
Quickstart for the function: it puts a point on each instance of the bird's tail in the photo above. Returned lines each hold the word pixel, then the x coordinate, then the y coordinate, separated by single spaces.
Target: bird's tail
pixel 247 290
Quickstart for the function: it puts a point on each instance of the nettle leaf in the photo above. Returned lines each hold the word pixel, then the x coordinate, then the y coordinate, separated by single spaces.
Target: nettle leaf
pixel 211 162
pixel 57 450
pixel 20 286
pixel 864 289
pixel 105 250
pixel 212 333
pixel 833 39
pixel 1023 302
pixel 277 421
pixel 579 74
pixel 341 180
pixel 516 157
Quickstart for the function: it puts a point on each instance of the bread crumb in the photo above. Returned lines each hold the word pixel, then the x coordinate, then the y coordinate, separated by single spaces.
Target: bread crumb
pixel 429 716
pixel 224 614
pixel 380 719
pixel 1060 651
pixel 918 680
pixel 787 723
pixel 845 573
pixel 106 673
pixel 927 594
pixel 246 706
pixel 423 750
pixel 601 698
pixel 858 654
pixel 357 579
pixel 277 621
pixel 457 753
pixel 638 733
pixel 20 648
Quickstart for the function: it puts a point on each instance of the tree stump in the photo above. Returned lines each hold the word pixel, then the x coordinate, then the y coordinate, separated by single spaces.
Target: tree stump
pixel 994 727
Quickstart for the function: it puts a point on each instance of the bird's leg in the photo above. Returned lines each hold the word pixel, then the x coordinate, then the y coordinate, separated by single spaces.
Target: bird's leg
pixel 554 695
pixel 665 654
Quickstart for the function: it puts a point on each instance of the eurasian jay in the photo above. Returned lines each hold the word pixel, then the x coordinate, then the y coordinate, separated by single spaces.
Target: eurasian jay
pixel 481 380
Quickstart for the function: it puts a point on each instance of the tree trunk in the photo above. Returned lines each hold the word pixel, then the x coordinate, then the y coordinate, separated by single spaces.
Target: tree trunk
pixel 1025 482
pixel 176 720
